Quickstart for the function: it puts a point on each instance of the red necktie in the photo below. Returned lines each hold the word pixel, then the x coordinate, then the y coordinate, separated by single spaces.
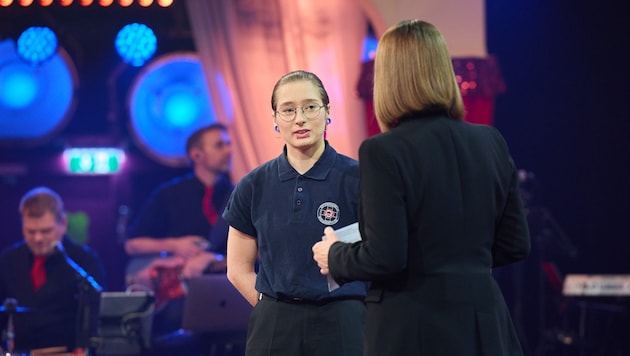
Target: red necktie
pixel 38 273
pixel 208 209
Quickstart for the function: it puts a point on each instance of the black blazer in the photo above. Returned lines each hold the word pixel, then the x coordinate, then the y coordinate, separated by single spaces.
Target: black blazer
pixel 440 207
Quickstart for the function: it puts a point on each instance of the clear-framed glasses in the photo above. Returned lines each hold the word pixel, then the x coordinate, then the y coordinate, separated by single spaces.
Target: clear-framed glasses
pixel 288 113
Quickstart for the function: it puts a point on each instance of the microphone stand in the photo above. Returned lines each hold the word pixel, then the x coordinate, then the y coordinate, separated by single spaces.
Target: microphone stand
pixel 86 317
pixel 10 306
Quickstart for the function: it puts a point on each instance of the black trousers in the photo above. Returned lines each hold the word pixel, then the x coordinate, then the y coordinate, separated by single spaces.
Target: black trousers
pixel 283 328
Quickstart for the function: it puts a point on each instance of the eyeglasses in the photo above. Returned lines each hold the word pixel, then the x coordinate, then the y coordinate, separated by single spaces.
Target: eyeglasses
pixel 310 111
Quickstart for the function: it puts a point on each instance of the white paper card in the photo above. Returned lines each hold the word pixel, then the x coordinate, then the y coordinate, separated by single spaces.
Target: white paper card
pixel 347 234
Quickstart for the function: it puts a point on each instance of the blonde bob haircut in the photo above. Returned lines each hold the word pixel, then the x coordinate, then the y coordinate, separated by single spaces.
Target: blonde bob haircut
pixel 413 73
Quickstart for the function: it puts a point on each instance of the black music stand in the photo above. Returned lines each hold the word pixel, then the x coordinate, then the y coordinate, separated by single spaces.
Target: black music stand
pixel 124 323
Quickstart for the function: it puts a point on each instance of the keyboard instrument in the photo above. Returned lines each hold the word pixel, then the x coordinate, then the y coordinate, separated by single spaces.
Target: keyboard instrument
pixel 596 285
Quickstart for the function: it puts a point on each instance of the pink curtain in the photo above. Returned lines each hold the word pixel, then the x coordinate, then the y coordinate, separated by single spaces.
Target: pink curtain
pixel 246 45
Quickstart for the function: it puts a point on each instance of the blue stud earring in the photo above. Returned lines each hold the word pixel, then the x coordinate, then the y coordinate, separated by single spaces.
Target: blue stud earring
pixel 275 128
pixel 328 120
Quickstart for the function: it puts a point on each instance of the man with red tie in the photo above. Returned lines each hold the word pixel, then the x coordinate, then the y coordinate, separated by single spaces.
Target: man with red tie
pixel 180 227
pixel 35 272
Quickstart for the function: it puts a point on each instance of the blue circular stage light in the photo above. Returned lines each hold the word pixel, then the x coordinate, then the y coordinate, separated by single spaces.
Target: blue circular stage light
pixel 37 44
pixel 35 101
pixel 136 43
pixel 181 106
pixel 19 86
pixel 168 101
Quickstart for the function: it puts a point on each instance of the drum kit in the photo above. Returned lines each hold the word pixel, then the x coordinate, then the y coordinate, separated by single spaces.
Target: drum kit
pixel 10 307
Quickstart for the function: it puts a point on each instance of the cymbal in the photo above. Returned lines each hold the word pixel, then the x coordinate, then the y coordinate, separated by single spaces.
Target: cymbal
pixel 3 309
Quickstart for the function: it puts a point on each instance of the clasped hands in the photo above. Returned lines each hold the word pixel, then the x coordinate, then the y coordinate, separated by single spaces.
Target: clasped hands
pixel 320 249
pixel 190 253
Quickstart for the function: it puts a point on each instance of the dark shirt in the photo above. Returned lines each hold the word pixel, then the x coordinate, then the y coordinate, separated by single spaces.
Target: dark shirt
pixel 287 212
pixel 175 209
pixel 52 319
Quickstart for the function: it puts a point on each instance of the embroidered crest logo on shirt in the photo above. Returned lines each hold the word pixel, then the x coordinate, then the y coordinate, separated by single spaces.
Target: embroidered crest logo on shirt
pixel 328 213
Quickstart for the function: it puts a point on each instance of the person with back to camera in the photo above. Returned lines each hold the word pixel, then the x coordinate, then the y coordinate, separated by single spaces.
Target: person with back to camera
pixel 36 274
pixel 440 208
pixel 179 233
pixel 276 212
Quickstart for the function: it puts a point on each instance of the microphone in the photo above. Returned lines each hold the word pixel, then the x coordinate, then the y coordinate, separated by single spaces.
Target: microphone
pixel 80 272
pixel 88 301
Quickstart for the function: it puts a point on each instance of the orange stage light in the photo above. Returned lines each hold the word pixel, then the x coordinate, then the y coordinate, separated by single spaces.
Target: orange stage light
pixel 65 2
pixel 145 3
pixel 105 2
pixel 25 2
pixel 125 3
pixel 86 2
pixel 45 2
pixel 6 2
pixel 165 3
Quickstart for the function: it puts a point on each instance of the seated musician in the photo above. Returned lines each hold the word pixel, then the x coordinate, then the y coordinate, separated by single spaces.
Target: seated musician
pixel 36 278
pixel 179 233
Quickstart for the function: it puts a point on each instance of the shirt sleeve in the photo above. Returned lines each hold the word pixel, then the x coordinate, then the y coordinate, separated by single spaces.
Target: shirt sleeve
pixel 511 242
pixel 152 219
pixel 383 224
pixel 238 209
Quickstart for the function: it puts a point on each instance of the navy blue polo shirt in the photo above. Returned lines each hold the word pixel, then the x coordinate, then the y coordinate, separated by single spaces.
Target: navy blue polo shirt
pixel 287 212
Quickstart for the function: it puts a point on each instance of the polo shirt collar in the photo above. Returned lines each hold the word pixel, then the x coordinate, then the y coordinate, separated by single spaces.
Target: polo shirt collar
pixel 222 181
pixel 319 171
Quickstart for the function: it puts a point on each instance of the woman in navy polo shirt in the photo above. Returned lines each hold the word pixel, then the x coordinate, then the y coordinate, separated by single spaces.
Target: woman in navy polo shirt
pixel 276 213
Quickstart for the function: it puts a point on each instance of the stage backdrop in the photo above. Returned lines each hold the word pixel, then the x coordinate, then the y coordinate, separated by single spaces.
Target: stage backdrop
pixel 250 44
